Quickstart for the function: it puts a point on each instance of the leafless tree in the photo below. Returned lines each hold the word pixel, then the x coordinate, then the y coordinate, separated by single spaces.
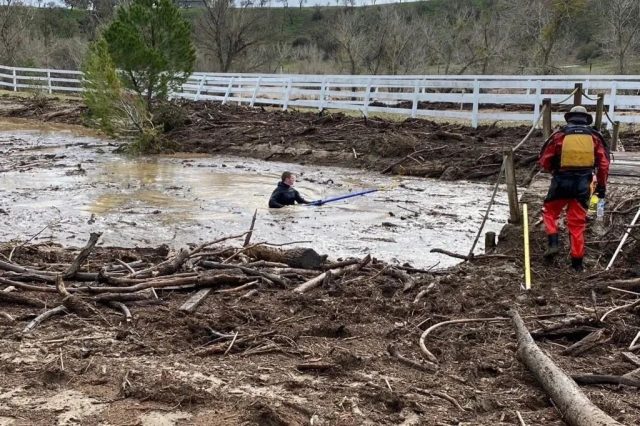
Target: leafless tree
pixel 543 24
pixel 350 35
pixel 399 41
pixel 15 18
pixel 621 28
pixel 228 32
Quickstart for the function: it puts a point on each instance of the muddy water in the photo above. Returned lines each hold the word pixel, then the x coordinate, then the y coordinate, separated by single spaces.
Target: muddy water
pixel 71 183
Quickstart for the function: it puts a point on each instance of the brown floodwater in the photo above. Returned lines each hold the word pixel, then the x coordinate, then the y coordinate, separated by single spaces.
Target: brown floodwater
pixel 69 182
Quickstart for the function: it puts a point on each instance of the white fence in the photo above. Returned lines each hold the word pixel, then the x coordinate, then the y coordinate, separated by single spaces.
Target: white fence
pixel 472 98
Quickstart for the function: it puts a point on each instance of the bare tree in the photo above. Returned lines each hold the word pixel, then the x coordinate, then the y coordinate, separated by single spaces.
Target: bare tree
pixel 350 35
pixel 15 18
pixel 621 28
pixel 398 41
pixel 543 24
pixel 228 32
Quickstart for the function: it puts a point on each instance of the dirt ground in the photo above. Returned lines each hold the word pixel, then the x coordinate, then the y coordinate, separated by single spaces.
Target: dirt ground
pixel 277 357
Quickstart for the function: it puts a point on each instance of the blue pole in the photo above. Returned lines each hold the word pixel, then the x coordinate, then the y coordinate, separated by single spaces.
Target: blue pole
pixel 341 197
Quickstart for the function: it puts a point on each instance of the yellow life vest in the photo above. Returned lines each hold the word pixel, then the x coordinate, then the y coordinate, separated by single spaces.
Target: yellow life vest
pixel 577 152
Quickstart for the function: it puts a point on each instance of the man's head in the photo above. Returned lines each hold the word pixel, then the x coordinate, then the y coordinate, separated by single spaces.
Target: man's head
pixel 578 115
pixel 288 178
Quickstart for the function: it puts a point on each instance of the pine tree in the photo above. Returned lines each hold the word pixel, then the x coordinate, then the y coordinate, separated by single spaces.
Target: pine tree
pixel 150 43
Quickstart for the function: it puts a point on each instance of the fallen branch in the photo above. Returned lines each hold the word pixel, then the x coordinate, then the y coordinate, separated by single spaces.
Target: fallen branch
pixel 316 281
pixel 250 233
pixel 425 290
pixel 14 298
pixel 442 395
pixel 74 303
pixel 6 316
pixel 598 379
pixel 425 366
pixel 469 258
pixel 585 344
pixel 254 272
pixel 424 335
pixel 403 159
pixel 576 408
pixel 619 308
pixel 82 256
pixel 43 317
pixel 201 280
pixel 122 307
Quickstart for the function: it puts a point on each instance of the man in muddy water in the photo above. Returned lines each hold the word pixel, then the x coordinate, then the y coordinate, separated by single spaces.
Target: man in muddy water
pixel 284 194
pixel 571 154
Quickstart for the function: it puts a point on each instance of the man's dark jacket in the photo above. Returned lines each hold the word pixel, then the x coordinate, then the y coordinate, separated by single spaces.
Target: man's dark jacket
pixel 284 195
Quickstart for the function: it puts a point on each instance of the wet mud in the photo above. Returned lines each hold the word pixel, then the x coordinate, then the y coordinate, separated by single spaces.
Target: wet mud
pixel 323 357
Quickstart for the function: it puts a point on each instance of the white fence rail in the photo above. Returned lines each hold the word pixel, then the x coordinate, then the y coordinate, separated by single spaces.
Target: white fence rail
pixel 473 98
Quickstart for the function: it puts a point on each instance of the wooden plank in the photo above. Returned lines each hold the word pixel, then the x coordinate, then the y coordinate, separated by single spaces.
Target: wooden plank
pixel 194 301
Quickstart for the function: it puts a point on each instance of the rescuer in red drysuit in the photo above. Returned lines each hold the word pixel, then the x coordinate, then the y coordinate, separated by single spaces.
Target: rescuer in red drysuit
pixel 571 154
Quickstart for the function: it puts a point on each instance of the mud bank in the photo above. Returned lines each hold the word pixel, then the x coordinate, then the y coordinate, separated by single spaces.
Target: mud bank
pixel 440 150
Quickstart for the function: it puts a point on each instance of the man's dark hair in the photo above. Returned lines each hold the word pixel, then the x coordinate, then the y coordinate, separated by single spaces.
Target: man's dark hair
pixel 286 175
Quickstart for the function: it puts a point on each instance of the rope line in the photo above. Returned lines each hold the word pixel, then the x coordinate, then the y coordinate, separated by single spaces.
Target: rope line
pixel 588 97
pixel 486 214
pixel 540 114
pixel 567 98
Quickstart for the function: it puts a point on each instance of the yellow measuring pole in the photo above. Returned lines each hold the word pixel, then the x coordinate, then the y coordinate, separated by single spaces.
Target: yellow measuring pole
pixel 527 261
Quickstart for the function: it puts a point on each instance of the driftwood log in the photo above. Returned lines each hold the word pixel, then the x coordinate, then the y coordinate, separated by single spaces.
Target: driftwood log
pixel 317 281
pixel 304 258
pixel 578 410
pixel 82 256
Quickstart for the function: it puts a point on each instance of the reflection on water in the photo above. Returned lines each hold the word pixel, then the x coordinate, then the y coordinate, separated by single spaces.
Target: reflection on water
pixel 194 198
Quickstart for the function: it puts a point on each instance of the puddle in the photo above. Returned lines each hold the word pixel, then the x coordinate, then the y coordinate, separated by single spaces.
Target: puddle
pixel 70 184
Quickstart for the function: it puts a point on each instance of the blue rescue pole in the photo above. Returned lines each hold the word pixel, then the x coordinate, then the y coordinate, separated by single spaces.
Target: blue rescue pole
pixel 341 197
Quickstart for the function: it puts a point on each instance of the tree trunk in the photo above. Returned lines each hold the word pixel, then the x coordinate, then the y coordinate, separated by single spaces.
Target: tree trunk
pixel 577 408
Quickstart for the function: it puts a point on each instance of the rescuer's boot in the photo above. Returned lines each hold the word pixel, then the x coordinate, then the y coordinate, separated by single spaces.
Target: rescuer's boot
pixel 553 248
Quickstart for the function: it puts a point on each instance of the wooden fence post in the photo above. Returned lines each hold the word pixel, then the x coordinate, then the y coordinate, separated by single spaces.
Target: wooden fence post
pixel 546 118
pixel 614 138
pixel 476 97
pixel 512 188
pixel 489 242
pixel 15 81
pixel 577 97
pixel 599 111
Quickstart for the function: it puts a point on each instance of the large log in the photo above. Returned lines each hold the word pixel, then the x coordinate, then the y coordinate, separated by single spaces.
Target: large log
pixel 317 281
pixel 577 408
pixel 304 258
pixel 18 299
